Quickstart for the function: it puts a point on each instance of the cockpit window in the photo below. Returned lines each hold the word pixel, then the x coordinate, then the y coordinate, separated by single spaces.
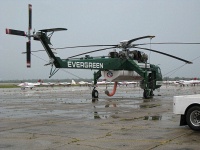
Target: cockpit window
pixel 159 71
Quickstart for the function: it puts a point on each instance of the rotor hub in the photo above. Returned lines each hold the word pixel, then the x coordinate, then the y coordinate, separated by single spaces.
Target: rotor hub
pixel 123 44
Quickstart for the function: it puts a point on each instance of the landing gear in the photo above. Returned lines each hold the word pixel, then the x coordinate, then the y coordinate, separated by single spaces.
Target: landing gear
pixel 151 93
pixel 95 95
pixel 148 93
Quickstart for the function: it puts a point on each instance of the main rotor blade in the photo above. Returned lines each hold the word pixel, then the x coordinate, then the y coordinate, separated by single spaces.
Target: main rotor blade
pixel 33 51
pixel 175 43
pixel 71 47
pixel 186 61
pixel 92 51
pixel 133 45
pixel 15 32
pixel 129 42
pixel 139 38
pixel 172 43
pixel 179 43
pixel 83 46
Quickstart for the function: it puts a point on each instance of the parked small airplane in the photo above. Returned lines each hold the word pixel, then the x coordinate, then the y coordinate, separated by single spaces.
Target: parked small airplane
pixel 170 82
pixel 29 85
pixel 188 82
pixel 47 84
pixel 83 83
pixel 182 82
pixel 102 82
pixel 127 83
pixel 65 83
pixel 73 82
pixel 68 83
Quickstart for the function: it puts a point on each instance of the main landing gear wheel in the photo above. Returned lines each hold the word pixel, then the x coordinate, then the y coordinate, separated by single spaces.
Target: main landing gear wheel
pixel 151 93
pixel 193 118
pixel 95 95
pixel 148 94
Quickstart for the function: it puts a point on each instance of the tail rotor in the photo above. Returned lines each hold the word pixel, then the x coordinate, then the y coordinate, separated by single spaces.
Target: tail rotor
pixel 15 32
pixel 22 33
pixel 28 44
pixel 28 54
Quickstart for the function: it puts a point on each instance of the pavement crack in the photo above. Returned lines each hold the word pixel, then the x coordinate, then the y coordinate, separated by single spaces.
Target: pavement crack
pixel 170 140
pixel 107 134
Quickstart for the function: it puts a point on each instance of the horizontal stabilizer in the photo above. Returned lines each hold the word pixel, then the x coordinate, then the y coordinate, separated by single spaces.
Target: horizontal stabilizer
pixel 15 32
pixel 53 29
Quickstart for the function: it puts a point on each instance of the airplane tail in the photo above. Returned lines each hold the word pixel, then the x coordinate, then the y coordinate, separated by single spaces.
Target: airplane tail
pixel 73 82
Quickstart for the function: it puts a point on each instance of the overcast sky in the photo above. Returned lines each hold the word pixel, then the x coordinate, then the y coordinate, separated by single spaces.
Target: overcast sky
pixel 100 22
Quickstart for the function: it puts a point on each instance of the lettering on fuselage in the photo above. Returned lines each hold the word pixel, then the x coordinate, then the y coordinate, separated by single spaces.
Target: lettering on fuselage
pixel 92 65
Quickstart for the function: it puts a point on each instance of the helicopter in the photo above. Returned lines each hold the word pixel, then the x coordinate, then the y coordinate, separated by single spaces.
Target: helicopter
pixel 125 65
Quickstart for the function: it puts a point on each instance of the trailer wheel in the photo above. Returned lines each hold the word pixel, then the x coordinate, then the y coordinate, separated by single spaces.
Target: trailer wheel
pixel 193 118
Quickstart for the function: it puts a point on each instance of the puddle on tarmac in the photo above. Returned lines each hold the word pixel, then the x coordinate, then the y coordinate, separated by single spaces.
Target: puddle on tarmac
pixel 117 103
pixel 158 117
pixel 100 115
pixel 149 105
pixel 76 101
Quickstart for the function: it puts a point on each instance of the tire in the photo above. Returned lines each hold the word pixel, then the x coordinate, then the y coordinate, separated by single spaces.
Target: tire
pixel 151 93
pixel 95 94
pixel 193 118
pixel 146 94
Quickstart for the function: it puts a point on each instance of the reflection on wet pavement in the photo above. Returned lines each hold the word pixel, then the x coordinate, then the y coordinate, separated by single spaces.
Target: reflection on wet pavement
pixel 75 102
pixel 63 103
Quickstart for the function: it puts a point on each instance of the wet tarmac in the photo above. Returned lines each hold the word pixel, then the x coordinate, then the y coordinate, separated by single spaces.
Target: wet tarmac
pixel 63 118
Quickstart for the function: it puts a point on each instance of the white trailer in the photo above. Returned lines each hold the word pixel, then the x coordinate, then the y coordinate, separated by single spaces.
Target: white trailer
pixel 188 106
